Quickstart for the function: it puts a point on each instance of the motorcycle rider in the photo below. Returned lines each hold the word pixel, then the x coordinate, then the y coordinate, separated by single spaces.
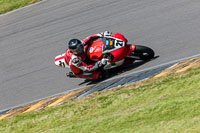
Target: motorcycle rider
pixel 76 58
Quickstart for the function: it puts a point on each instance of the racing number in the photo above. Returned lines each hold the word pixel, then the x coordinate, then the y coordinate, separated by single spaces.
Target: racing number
pixel 62 64
pixel 119 43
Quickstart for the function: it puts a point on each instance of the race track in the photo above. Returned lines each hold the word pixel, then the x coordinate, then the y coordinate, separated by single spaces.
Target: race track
pixel 30 38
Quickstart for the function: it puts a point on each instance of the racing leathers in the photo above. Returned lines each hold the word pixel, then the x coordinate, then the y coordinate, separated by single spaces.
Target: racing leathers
pixel 78 65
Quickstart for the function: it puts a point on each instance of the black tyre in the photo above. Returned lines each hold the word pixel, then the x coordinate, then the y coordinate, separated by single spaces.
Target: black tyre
pixel 143 52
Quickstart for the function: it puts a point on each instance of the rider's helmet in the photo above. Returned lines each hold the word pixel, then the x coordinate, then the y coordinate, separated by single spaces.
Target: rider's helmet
pixel 76 46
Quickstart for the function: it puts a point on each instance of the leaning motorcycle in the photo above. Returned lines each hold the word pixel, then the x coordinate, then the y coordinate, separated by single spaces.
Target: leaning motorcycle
pixel 117 51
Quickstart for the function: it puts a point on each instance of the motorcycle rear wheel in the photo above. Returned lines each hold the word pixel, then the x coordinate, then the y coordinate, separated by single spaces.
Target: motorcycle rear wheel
pixel 143 52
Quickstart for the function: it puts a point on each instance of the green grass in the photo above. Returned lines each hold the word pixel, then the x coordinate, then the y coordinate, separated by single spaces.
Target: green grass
pixel 168 104
pixel 9 5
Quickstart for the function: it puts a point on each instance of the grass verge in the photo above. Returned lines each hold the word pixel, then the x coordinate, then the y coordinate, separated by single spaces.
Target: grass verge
pixel 9 5
pixel 167 104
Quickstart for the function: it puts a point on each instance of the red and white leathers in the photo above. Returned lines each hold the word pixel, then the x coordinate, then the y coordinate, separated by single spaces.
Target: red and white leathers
pixel 77 62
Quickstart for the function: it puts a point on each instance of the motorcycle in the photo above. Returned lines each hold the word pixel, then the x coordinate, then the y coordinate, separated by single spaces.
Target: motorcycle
pixel 117 51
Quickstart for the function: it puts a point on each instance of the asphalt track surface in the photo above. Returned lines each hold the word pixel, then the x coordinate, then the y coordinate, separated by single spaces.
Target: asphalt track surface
pixel 31 37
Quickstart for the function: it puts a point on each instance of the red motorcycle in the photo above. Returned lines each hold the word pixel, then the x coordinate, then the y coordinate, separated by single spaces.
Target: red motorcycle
pixel 117 51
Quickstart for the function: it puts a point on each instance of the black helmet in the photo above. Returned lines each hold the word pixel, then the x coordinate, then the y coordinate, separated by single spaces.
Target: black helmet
pixel 76 46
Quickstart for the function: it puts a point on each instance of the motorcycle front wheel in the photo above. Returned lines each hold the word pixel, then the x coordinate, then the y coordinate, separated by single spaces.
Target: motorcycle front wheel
pixel 143 52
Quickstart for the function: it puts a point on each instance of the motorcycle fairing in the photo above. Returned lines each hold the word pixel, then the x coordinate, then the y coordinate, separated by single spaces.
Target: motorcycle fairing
pixel 60 61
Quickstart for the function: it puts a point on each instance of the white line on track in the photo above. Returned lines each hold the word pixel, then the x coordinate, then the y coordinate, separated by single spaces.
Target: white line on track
pixel 146 69
pixel 34 101
pixel 21 8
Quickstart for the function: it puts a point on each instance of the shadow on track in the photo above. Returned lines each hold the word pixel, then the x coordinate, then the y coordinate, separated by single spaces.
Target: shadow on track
pixel 118 72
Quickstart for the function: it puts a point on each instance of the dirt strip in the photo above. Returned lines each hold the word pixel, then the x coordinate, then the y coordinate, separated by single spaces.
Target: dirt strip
pixel 44 103
pixel 180 67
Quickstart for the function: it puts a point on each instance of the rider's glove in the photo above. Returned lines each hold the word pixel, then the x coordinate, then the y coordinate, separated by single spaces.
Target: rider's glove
pixel 76 61
pixel 103 62
pixel 106 33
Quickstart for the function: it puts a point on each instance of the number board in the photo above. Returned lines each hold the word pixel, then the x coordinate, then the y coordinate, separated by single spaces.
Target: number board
pixel 112 44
